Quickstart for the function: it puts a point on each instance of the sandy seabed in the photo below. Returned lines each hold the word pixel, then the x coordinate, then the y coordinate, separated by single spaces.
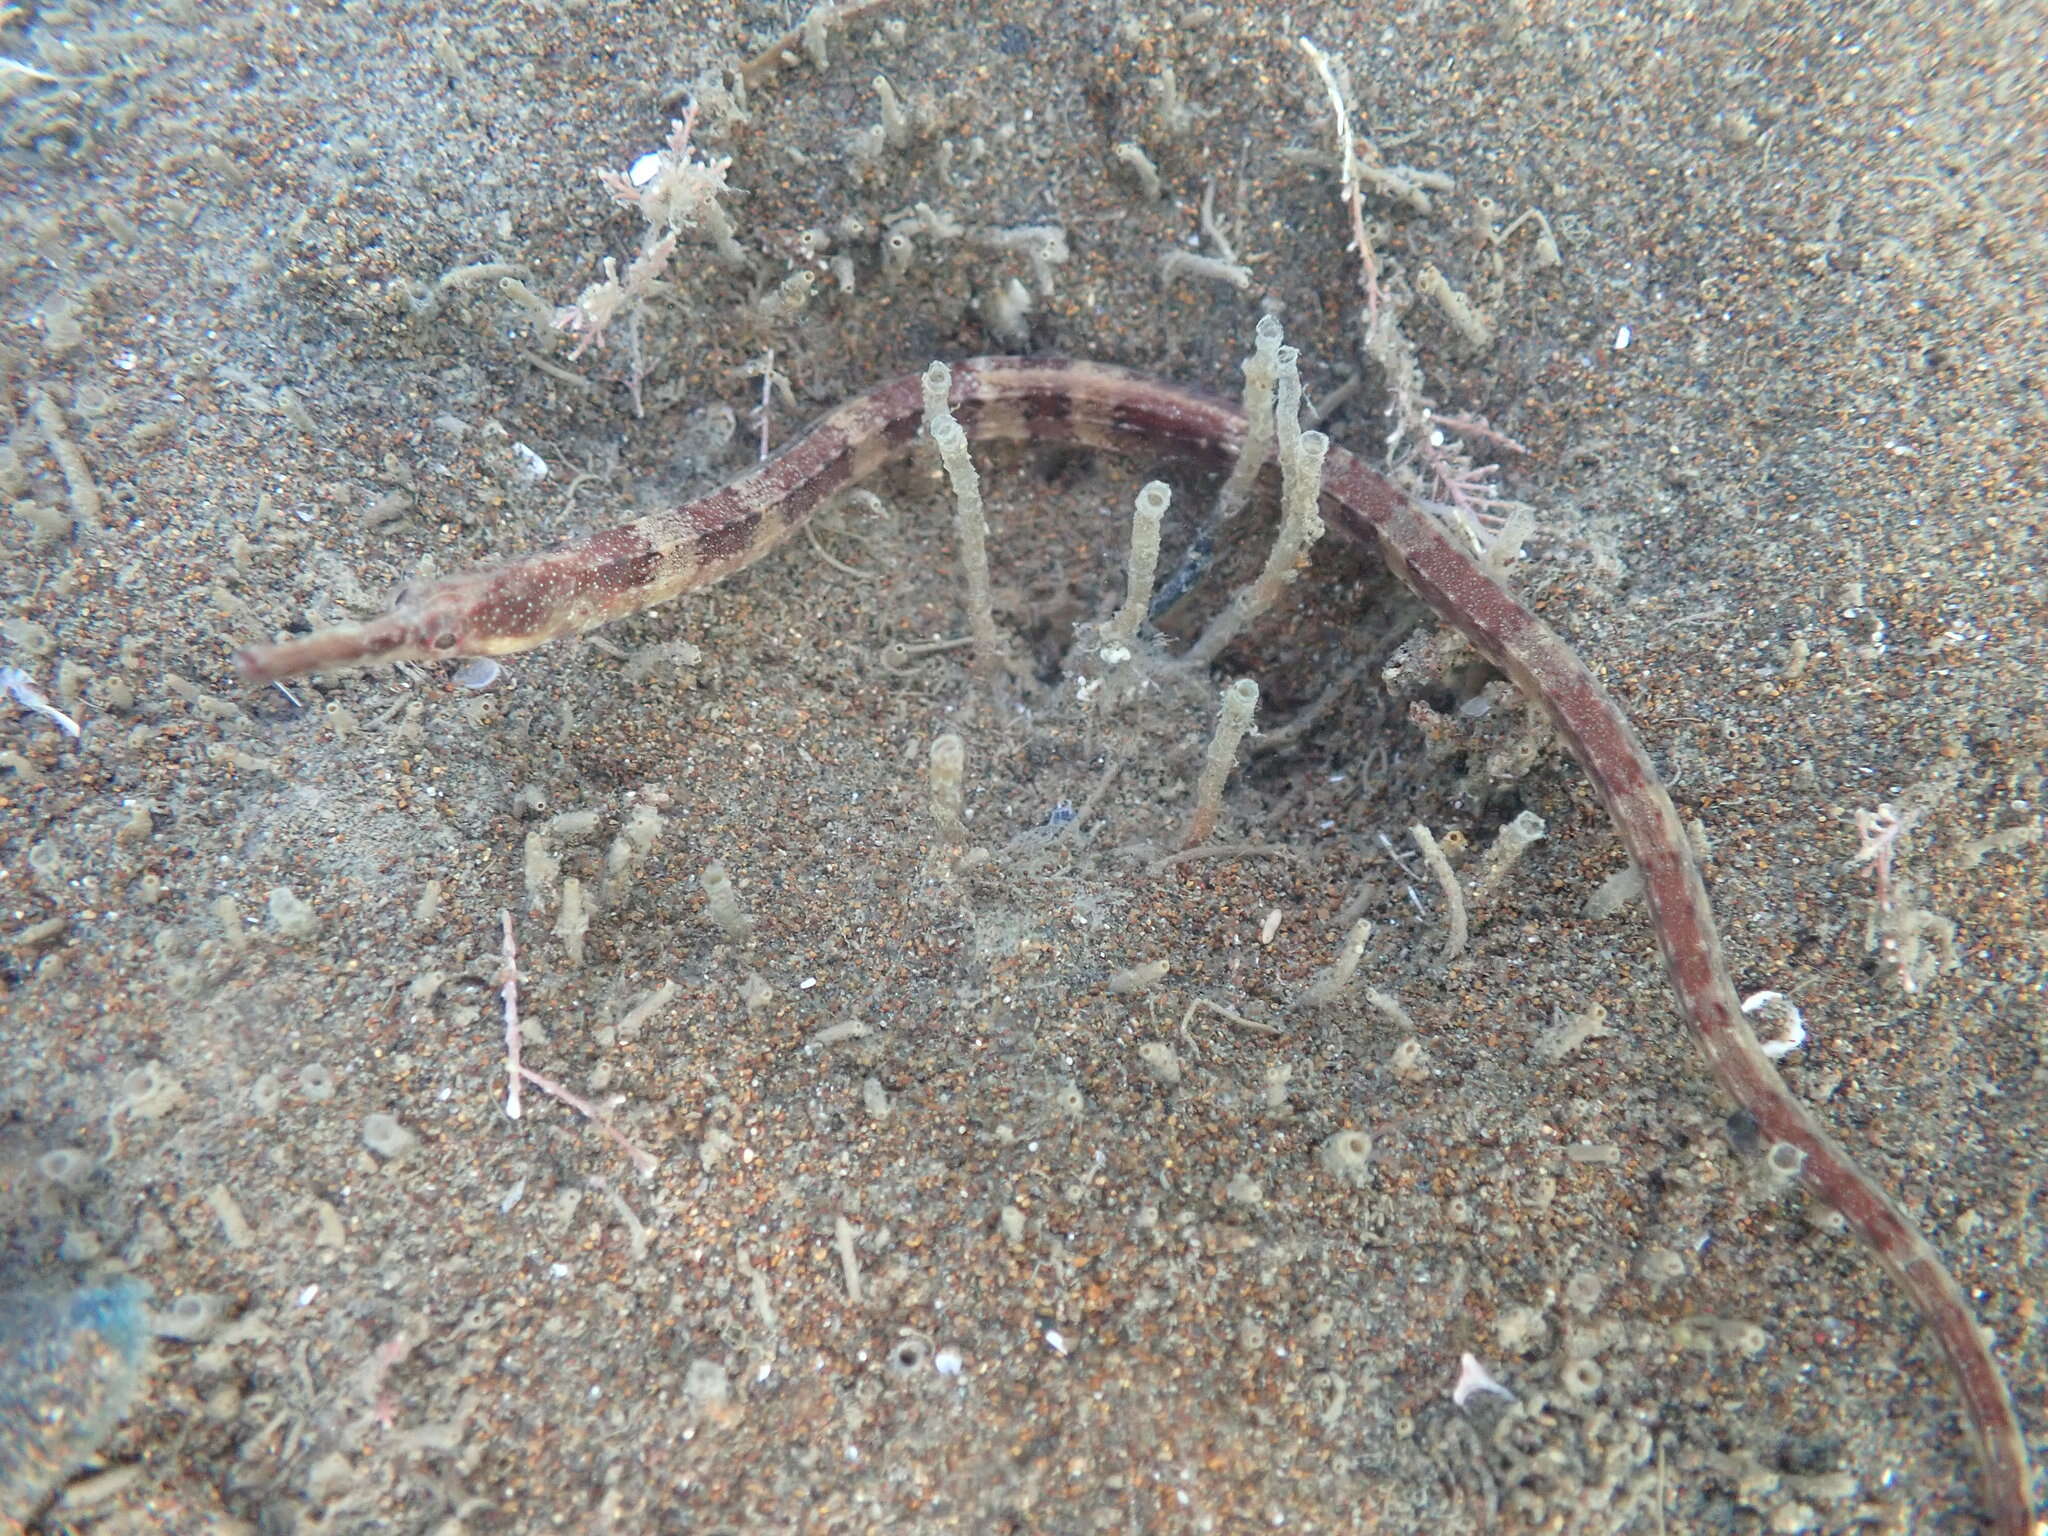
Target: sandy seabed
pixel 944 1231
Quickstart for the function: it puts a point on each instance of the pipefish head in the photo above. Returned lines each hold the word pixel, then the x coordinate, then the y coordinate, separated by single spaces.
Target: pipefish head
pixel 428 621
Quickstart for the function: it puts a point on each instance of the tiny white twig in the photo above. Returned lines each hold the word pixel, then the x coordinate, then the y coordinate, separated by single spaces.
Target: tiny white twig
pixel 371 1375
pixel 773 382
pixel 1348 172
pixel 1879 832
pixel 1469 426
pixel 516 1072
pixel 15 69
pixel 508 981
pixel 644 1162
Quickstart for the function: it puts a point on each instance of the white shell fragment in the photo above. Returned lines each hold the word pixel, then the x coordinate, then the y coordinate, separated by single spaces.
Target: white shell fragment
pixel 1473 1379
pixel 532 466
pixel 1790 1020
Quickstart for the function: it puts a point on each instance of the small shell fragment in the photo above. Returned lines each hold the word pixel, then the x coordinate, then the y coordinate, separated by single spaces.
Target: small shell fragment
pixel 1473 1379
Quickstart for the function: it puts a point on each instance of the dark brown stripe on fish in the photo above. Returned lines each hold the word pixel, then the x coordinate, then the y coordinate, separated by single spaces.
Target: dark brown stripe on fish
pixel 621 561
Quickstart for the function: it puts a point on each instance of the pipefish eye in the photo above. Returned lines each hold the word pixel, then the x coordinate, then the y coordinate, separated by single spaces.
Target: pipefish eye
pixel 433 632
